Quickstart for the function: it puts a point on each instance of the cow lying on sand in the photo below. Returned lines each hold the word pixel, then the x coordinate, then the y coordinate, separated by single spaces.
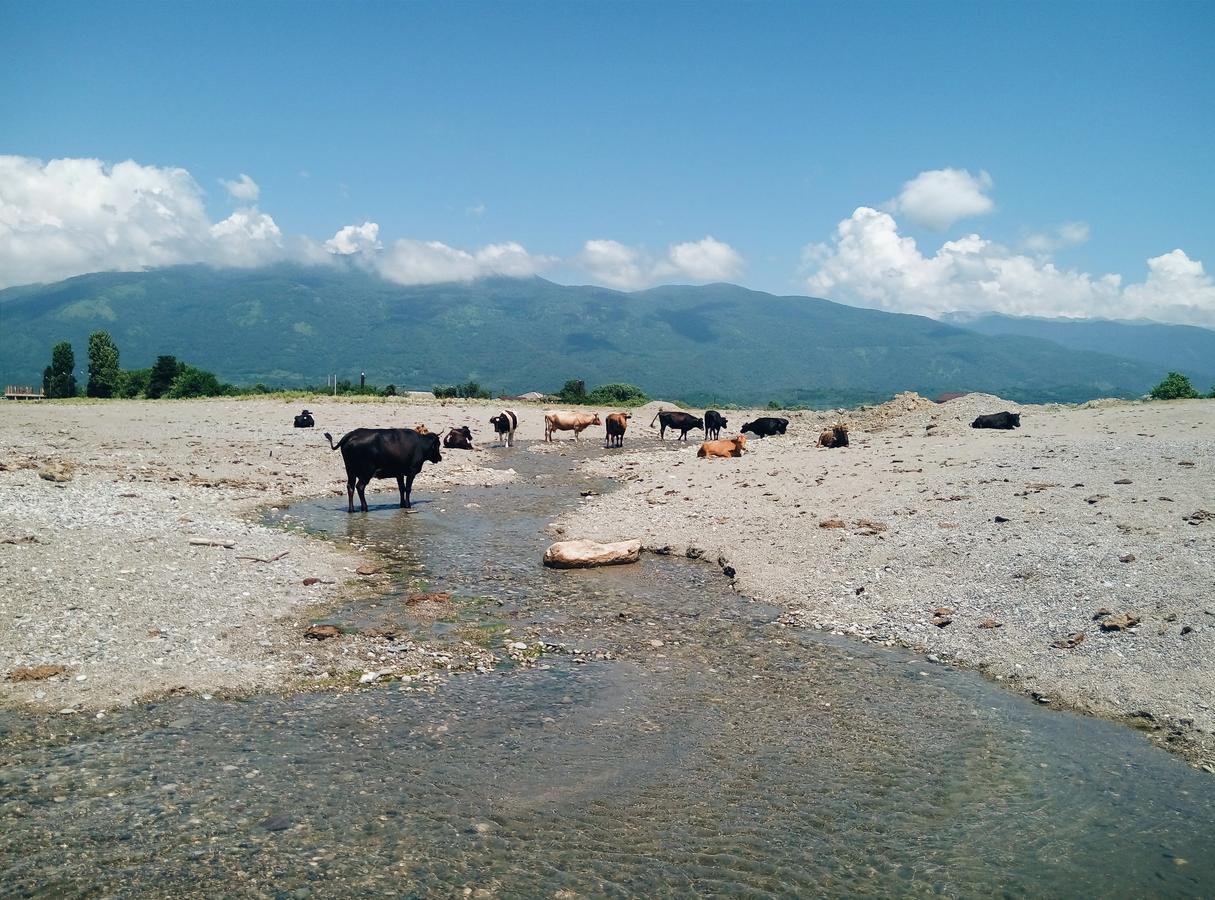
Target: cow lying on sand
pixel 677 421
pixel 724 449
pixel 1005 420
pixel 304 420
pixel 835 436
pixel 384 453
pixel 766 426
pixel 505 424
pixel 616 424
pixel 576 422
pixel 714 423
pixel 458 439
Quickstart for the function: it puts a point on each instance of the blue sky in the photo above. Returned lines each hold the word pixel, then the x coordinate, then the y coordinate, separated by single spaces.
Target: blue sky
pixel 1079 135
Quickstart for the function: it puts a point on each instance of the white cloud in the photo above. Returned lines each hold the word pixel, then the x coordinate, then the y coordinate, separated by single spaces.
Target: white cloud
pixel 71 216
pixel 244 188
pixel 939 197
pixel 427 262
pixel 629 268
pixel 1069 234
pixel 355 239
pixel 870 264
pixel 705 260
pixel 612 263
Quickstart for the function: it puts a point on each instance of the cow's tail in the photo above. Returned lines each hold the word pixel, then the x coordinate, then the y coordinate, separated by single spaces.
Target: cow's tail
pixel 338 445
pixel 656 415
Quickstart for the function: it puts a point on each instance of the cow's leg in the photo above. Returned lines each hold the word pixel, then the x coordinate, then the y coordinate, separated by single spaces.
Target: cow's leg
pixel 401 488
pixel 408 490
pixel 350 494
pixel 362 485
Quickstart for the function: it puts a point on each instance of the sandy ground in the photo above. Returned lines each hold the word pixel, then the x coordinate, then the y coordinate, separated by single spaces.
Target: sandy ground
pixel 98 575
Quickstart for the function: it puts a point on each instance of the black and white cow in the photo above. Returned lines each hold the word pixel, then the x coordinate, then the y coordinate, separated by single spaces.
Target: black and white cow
pixel 505 424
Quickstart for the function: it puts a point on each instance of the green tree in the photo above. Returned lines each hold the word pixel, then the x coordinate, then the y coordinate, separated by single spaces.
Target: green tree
pixel 574 391
pixel 58 379
pixel 160 379
pixel 134 383
pixel 104 375
pixel 1175 387
pixel 617 395
pixel 192 382
pixel 390 390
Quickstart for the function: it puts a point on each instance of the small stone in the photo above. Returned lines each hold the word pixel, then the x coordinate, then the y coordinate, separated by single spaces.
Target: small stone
pixel 275 823
pixel 368 569
pixel 1123 481
pixel 999 520
pixel 308 582
pixel 657 643
pixel 991 623
pixel 1101 613
pixel 322 632
pixel 1120 622
pixel 1127 558
pixel 833 523
pixel 1187 629
pixel 1072 640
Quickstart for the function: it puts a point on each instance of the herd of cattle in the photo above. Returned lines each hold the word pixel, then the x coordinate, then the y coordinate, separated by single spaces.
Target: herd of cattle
pixel 400 453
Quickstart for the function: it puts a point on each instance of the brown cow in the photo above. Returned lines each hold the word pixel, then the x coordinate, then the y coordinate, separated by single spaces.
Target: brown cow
pixel 835 436
pixel 731 447
pixel 576 422
pixel 616 424
pixel 421 429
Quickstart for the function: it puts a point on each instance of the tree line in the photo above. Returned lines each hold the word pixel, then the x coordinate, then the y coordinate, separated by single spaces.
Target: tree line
pixel 167 377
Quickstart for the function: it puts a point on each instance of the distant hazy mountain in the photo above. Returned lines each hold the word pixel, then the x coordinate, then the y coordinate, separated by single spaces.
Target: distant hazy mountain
pixel 1179 348
pixel 289 326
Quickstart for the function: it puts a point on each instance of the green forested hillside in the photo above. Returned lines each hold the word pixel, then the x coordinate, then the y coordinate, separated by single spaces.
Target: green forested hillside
pixel 1181 348
pixel 290 326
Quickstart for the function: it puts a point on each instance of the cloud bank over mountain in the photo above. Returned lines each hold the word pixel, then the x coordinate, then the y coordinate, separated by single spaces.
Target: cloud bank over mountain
pixel 869 262
pixel 69 217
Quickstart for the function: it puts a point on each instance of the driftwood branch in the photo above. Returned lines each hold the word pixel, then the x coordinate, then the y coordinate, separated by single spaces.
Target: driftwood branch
pixel 213 542
pixel 271 559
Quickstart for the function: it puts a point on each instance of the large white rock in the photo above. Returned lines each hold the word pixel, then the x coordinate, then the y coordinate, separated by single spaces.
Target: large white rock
pixel 583 554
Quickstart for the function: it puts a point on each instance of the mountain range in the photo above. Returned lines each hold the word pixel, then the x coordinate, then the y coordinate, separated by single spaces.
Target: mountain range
pixel 290 326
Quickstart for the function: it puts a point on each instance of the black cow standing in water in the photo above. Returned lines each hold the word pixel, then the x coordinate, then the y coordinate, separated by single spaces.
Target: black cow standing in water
pixel 1003 420
pixel 384 453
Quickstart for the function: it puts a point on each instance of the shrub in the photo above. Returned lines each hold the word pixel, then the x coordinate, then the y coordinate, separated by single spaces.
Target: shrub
pixel 574 391
pixel 134 383
pixel 1175 387
pixel 616 395
pixel 469 389
pixel 390 390
pixel 192 382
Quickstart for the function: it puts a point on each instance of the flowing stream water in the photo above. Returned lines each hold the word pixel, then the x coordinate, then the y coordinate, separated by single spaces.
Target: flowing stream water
pixel 737 758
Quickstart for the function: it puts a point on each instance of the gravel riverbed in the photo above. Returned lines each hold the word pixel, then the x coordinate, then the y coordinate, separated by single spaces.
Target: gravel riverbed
pixel 980 548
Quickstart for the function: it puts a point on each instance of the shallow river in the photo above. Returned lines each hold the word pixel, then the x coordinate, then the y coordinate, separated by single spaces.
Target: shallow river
pixel 739 757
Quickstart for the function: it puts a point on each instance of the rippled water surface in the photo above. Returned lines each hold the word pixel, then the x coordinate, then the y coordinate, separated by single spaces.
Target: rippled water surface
pixel 736 758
